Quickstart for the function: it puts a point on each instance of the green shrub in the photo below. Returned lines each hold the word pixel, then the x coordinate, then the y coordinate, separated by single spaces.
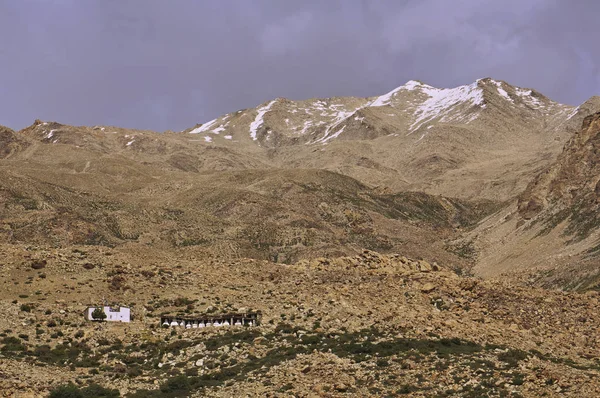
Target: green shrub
pixel 62 353
pixel 12 344
pixel 92 391
pixel 38 264
pixel 66 391
pixel 177 384
pixel 98 314
pixel 178 345
pixel 310 340
pixel 182 301
pixel 285 328
pixel 518 379
pixel 512 357
pixel 134 371
pixel 406 389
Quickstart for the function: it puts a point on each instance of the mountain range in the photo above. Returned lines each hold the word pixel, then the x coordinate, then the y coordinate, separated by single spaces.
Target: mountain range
pixel 428 241
pixel 341 173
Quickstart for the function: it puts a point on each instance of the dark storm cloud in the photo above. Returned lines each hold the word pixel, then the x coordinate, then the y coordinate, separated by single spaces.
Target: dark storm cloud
pixel 170 64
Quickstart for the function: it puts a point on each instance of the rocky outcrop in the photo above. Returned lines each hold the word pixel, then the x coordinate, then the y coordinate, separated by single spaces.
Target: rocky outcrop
pixel 570 188
pixel 11 142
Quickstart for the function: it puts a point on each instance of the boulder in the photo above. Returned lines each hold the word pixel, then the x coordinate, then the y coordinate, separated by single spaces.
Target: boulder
pixel 428 287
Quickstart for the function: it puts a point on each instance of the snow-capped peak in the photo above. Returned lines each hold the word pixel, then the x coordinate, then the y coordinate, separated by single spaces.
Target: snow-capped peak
pixel 442 100
pixel 501 90
pixel 413 84
pixel 407 108
pixel 385 99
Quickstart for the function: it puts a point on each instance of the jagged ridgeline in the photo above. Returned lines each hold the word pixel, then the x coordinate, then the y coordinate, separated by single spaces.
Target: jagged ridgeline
pixel 385 246
pixel 288 179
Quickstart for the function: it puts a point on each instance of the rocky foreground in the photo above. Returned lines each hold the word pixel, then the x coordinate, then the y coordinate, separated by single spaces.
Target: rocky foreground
pixel 371 324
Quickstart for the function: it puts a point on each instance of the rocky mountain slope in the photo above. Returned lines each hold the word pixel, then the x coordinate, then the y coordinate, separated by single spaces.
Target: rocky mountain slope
pixel 414 107
pixel 485 140
pixel 283 215
pixel 481 140
pixel 10 142
pixel 297 209
pixel 290 179
pixel 365 325
pixel 552 228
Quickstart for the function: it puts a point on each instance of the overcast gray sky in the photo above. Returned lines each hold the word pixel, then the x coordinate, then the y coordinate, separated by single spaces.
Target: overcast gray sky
pixel 170 64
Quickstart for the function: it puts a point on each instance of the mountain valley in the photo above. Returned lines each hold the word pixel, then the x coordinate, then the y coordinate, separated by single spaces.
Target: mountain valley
pixel 425 242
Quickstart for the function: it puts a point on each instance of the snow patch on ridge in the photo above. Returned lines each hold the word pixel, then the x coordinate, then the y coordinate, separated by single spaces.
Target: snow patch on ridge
pixel 385 99
pixel 501 91
pixel 334 135
pixel 442 101
pixel 413 84
pixel 527 97
pixel 573 113
pixel 212 127
pixel 339 118
pixel 307 124
pixel 259 119
pixel 204 127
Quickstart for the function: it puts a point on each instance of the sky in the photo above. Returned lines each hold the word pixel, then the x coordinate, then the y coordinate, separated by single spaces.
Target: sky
pixel 167 65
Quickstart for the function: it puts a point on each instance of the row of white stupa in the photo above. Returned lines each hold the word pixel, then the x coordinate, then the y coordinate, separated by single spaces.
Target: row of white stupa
pixel 196 325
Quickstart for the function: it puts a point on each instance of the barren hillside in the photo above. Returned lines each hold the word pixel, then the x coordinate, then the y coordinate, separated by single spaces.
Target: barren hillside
pixel 551 231
pixel 365 325
pixel 406 244
pixel 482 140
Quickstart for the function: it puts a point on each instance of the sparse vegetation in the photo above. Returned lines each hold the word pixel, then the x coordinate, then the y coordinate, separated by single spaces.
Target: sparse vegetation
pixel 98 314
pixel 92 391
pixel 38 264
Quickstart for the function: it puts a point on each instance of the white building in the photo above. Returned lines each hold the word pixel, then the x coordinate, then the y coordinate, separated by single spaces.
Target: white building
pixel 113 314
